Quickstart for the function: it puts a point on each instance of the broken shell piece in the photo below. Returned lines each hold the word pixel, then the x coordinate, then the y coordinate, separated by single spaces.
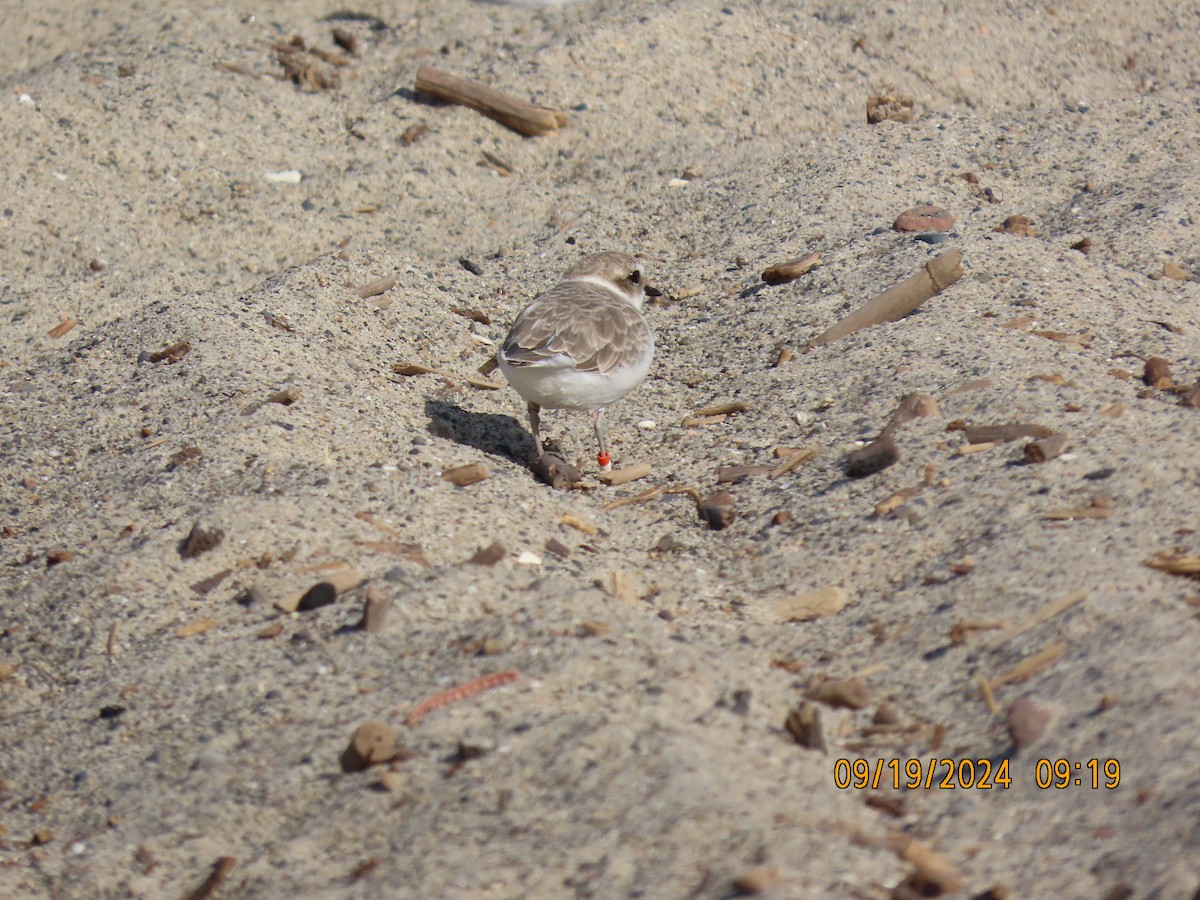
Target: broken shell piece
pixel 1045 449
pixel 816 604
pixel 782 273
pixel 462 476
pixel 804 725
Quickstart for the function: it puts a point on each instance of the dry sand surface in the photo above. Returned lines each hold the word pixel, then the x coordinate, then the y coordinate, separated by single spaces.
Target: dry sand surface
pixel 165 729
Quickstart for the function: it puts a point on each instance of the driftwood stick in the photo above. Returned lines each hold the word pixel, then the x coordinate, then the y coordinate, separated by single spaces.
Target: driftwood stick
pixel 518 115
pixel 900 299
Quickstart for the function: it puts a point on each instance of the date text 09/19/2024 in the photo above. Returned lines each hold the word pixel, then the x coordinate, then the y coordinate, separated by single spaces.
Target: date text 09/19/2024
pixel 972 774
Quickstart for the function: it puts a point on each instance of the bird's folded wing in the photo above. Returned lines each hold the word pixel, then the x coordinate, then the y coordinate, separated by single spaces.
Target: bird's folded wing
pixel 591 330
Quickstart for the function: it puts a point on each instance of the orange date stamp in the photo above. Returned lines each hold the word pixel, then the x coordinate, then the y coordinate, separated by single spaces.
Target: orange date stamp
pixel 947 773
pixel 944 773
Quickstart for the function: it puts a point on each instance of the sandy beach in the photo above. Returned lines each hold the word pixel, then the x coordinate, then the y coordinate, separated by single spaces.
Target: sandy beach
pixel 248 277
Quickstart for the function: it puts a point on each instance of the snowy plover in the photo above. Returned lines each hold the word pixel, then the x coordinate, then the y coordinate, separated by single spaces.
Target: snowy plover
pixel 583 344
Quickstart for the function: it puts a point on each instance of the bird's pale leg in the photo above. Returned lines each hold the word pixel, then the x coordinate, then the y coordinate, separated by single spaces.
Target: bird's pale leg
pixel 602 458
pixel 535 425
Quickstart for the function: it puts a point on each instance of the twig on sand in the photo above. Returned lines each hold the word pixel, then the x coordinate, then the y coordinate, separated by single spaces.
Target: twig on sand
pixel 522 117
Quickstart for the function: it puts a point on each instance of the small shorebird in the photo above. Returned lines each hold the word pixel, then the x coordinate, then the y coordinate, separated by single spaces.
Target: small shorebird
pixel 583 344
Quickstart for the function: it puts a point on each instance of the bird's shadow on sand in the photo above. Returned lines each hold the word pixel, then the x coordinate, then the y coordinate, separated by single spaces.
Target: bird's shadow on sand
pixel 491 433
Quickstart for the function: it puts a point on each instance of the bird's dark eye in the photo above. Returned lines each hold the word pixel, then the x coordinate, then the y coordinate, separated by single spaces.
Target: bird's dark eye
pixel 635 276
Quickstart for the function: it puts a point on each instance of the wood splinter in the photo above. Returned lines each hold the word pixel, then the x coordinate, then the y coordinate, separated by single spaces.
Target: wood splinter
pixel 1030 666
pixel 375 288
pixel 794 461
pixel 1055 609
pixel 523 118
pixel 410 369
pixel 626 475
pixel 62 327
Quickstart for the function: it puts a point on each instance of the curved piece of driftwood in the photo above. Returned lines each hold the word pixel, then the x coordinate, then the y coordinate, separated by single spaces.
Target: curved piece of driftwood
pixel 900 299
pixel 518 115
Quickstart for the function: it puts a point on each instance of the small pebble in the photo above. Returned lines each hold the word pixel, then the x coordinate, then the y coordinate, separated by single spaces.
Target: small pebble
pixel 462 476
pixel 1017 225
pixel 873 458
pixel 717 510
pixel 1029 720
pixel 489 555
pixel 924 218
pixel 1157 373
pixel 374 742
